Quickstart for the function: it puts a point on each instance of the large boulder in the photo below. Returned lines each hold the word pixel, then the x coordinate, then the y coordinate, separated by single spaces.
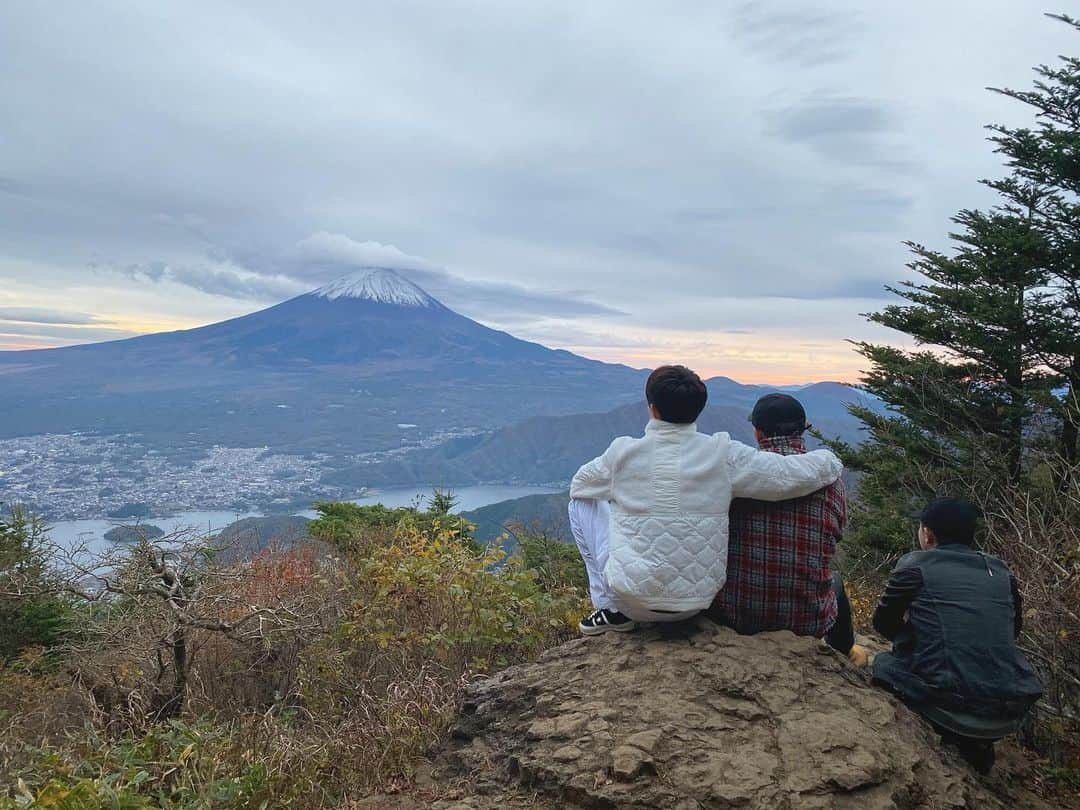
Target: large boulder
pixel 696 716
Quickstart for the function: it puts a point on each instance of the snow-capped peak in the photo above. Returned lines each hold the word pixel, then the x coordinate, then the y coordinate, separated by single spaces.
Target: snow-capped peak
pixel 379 284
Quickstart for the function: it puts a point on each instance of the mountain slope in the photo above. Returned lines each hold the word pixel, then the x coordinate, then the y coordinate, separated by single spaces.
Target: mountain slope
pixel 543 514
pixel 335 370
pixel 539 450
pixel 377 316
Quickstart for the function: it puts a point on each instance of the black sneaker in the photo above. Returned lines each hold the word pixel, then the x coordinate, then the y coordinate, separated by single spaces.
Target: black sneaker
pixel 979 756
pixel 603 620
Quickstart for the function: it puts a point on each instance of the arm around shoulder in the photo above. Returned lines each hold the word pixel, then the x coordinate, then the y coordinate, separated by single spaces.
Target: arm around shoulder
pixel 772 477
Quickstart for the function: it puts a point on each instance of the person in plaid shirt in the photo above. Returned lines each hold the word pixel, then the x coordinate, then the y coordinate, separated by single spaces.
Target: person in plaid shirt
pixel 780 554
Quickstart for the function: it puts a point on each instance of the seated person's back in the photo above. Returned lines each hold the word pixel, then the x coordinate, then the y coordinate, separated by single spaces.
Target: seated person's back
pixel 662 548
pixel 953 615
pixel 779 573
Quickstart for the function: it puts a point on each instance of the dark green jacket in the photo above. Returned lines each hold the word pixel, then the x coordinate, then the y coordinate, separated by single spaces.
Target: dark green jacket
pixel 956 649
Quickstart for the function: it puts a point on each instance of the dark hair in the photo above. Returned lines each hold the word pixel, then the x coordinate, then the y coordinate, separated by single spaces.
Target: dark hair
pixel 779 415
pixel 952 520
pixel 678 394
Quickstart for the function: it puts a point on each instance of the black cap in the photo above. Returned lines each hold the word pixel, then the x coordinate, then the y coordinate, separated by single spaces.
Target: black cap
pixel 952 520
pixel 779 415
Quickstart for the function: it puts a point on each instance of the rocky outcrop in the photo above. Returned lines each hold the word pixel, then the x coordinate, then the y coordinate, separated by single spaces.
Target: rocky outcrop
pixel 696 716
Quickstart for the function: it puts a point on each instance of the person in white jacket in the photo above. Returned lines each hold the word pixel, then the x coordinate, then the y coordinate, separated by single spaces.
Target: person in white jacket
pixel 650 515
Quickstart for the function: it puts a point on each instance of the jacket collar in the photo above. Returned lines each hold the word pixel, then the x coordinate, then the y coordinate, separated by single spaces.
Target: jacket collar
pixel 662 427
pixel 784 445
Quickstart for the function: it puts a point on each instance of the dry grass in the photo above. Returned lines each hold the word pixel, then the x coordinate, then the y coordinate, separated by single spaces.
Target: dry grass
pixel 863 591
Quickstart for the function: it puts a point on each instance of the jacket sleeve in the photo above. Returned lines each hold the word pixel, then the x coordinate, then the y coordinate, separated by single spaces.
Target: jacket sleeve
pixel 594 479
pixel 772 477
pixel 1018 606
pixel 904 583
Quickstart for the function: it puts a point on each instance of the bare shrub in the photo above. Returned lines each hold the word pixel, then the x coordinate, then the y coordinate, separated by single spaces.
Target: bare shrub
pixel 148 612
pixel 306 675
pixel 1036 530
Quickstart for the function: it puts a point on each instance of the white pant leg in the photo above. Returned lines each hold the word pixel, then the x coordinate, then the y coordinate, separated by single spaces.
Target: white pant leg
pixel 590 523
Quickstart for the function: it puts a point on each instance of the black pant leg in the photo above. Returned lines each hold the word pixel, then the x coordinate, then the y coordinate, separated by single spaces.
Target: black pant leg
pixel 841 636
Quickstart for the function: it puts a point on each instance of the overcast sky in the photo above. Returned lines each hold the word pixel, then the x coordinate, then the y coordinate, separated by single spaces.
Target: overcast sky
pixel 721 184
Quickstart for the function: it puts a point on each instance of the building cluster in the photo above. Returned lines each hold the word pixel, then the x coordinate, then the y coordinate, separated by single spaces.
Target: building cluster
pixel 73 476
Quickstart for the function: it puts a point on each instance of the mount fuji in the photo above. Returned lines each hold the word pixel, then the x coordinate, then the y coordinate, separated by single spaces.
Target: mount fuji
pixel 337 369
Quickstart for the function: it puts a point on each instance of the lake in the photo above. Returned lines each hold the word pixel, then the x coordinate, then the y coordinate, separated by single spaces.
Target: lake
pixel 92 531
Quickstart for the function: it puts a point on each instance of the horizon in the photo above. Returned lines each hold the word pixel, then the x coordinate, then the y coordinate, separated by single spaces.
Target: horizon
pixel 366 273
pixel 587 192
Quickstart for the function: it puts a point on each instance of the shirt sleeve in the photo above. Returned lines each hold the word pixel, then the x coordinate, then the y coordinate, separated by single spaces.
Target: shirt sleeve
pixel 594 479
pixel 1018 606
pixel 773 477
pixel 889 613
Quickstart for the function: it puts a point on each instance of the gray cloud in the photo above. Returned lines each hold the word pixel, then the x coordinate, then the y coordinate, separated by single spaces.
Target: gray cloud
pixel 794 34
pixel 323 256
pixel 329 255
pixel 831 117
pixel 509 302
pixel 841 129
pixel 36 315
pixel 13 187
pixel 335 252
pixel 224 281
pixel 60 333
pixel 525 162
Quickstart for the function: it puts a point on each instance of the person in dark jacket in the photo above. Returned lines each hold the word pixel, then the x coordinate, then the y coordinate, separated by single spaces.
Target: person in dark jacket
pixel 953 615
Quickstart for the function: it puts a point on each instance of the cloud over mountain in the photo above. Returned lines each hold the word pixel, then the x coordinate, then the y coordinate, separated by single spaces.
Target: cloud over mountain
pixel 548 163
pixel 325 255
pixel 50 316
pixel 332 252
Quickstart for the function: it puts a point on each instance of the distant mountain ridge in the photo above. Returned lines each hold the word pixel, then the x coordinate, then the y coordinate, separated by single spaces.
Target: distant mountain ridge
pixel 556 446
pixel 548 449
pixel 368 377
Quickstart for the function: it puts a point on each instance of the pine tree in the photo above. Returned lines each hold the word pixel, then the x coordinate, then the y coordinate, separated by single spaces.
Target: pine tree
pixel 961 405
pixel 996 327
pixel 1045 181
pixel 30 614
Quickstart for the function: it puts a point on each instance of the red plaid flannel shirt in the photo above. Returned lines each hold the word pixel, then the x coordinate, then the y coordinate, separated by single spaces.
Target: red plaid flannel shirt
pixel 779 558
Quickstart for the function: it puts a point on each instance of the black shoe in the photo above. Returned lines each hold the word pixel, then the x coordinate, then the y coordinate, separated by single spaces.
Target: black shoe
pixel 979 756
pixel 603 620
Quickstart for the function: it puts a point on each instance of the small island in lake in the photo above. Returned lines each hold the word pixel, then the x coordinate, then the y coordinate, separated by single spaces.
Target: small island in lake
pixel 132 534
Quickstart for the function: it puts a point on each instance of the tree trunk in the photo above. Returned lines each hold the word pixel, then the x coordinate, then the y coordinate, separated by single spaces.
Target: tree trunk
pixel 1015 425
pixel 169 703
pixel 1014 378
pixel 1070 429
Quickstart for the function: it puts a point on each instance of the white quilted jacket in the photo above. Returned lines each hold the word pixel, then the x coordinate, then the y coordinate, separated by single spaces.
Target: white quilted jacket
pixel 669 492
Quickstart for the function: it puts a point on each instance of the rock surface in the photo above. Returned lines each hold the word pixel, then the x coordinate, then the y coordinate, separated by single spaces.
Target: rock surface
pixel 696 716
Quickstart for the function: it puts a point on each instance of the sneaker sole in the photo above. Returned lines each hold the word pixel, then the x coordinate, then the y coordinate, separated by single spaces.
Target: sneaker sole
pixel 607 628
